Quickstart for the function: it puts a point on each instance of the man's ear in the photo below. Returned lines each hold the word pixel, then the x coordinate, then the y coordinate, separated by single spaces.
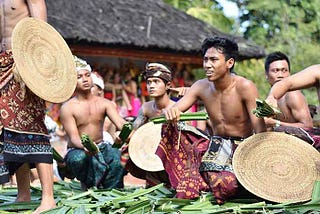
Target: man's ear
pixel 168 85
pixel 230 62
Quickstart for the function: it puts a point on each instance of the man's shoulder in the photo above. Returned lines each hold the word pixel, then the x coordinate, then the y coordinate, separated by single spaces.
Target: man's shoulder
pixel 69 103
pixel 201 83
pixel 294 96
pixel 148 105
pixel 243 82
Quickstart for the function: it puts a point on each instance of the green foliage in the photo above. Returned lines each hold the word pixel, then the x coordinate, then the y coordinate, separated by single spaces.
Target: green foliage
pixel 290 26
pixel 253 69
pixel 156 199
pixel 206 10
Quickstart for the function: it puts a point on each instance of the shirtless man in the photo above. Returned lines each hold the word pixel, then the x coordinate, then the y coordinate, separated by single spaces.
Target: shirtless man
pixel 293 105
pixel 109 129
pixel 308 77
pixel 158 78
pixel 26 142
pixel 229 100
pixel 85 113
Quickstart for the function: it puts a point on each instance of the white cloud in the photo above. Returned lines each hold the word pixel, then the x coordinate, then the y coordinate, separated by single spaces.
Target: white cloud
pixel 230 9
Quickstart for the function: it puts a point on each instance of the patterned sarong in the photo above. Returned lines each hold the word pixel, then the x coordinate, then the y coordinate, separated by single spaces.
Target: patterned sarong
pixel 102 170
pixel 22 114
pixel 180 152
pixel 310 135
pixel 216 167
pixel 4 172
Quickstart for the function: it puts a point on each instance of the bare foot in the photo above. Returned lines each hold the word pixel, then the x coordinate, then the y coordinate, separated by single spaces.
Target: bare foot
pixel 23 199
pixel 44 207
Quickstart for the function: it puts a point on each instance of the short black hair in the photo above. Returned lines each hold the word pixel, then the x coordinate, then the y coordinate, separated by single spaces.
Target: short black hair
pixel 275 56
pixel 228 47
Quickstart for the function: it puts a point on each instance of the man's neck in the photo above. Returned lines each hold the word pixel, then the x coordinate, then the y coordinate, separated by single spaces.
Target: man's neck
pixel 84 95
pixel 223 83
pixel 162 102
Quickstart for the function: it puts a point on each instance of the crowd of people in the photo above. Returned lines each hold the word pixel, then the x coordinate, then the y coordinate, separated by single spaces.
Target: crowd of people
pixel 227 126
pixel 194 160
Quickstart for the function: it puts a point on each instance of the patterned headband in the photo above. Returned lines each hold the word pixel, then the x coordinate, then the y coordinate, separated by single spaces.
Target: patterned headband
pixel 157 70
pixel 81 64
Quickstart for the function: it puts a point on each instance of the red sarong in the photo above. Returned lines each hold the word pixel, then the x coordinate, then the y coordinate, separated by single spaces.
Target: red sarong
pixel 180 152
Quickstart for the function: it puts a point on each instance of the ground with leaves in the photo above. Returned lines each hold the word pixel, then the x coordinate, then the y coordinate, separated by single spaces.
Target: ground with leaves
pixel 157 199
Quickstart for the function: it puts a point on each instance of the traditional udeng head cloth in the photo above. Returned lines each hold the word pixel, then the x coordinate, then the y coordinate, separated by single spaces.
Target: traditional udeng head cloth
pixel 81 64
pixel 97 81
pixel 157 70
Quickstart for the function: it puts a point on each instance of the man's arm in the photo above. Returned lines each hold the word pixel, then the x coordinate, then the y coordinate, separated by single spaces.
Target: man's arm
pixel 38 9
pixel 299 110
pixel 304 79
pixel 69 124
pixel 173 113
pixel 250 94
pixel 140 120
pixel 112 113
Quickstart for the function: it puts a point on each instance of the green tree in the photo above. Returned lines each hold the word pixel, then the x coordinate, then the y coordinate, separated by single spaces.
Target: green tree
pixel 290 26
pixel 209 11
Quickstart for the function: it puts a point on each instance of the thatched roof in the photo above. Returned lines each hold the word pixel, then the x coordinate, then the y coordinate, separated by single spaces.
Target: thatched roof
pixel 135 24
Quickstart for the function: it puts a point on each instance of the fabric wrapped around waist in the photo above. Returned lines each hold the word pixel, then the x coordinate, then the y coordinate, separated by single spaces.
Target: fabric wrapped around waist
pixel 102 170
pixel 180 150
pixel 218 157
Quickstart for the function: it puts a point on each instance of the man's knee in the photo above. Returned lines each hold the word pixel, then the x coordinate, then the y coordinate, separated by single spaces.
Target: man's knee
pixel 223 184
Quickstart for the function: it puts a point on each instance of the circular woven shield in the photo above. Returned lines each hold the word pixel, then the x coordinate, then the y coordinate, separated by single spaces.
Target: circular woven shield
pixel 277 167
pixel 44 60
pixel 143 145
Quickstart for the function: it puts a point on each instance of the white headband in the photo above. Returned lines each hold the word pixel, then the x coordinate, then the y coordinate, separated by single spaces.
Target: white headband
pixel 97 81
pixel 81 64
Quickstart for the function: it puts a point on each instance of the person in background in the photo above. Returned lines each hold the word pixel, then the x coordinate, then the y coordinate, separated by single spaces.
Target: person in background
pixel 130 86
pixel 108 85
pixel 109 129
pixel 230 123
pixel 307 78
pixel 120 96
pixel 158 78
pixel 24 135
pixel 293 105
pixel 85 114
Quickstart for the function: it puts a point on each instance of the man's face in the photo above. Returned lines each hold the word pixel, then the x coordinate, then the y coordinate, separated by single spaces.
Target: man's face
pixel 96 90
pixel 156 87
pixel 215 65
pixel 84 81
pixel 277 71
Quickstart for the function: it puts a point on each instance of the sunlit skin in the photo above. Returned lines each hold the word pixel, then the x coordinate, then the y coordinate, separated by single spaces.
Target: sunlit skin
pixel 293 105
pixel 277 71
pixel 22 9
pixel 308 77
pixel 158 91
pixel 95 90
pixel 84 80
pixel 156 87
pixel 217 91
pixel 85 113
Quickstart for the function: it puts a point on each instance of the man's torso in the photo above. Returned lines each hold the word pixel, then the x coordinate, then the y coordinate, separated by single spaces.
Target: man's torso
pixel 227 111
pixel 12 11
pixel 89 116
